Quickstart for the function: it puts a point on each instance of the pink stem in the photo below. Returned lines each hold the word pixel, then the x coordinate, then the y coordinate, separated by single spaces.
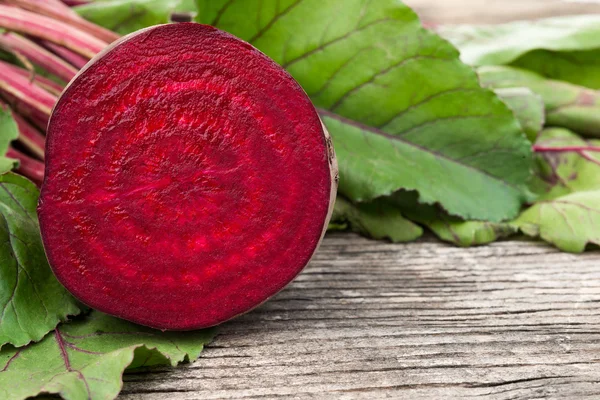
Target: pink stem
pixel 28 99
pixel 544 149
pixel 45 83
pixel 73 58
pixel 28 167
pixel 588 157
pixel 61 12
pixel 430 25
pixel 39 26
pixel 30 137
pixel 39 56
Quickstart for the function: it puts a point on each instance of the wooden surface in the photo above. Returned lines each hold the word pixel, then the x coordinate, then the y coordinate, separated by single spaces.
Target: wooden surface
pixel 370 320
pixel 373 320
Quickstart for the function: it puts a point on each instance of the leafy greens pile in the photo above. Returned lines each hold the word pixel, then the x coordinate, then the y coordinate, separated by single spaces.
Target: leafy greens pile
pixel 474 149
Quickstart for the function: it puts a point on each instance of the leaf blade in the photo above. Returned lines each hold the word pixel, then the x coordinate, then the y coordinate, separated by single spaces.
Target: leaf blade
pixel 388 157
pixel 561 173
pixel 567 105
pixel 378 220
pixel 527 107
pixel 451 229
pixel 564 48
pixel 9 132
pixel 505 43
pixel 569 222
pixel 126 16
pixel 32 301
pixel 86 359
pixel 368 65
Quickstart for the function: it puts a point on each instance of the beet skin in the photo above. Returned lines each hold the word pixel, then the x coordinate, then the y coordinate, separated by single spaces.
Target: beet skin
pixel 188 179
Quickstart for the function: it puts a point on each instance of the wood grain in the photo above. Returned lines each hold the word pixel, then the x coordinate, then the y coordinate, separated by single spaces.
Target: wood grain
pixel 372 320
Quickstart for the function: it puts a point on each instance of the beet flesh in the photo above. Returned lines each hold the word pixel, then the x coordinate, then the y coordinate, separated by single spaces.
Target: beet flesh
pixel 188 179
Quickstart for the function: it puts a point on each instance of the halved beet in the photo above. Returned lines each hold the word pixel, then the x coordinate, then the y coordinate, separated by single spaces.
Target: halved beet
pixel 189 178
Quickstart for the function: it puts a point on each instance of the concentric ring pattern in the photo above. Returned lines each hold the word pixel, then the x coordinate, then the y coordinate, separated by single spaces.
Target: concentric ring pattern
pixel 188 179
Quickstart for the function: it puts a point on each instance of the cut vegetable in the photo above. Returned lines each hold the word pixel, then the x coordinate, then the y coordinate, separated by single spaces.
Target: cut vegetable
pixel 189 178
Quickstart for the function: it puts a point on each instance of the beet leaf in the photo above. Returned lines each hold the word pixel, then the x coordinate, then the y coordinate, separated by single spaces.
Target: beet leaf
pixel 379 219
pixel 567 180
pixel 567 105
pixel 9 131
pixel 85 359
pixel 375 65
pixel 565 48
pixel 560 173
pixel 448 228
pixel 128 16
pixel 32 302
pixel 569 222
pixel 527 107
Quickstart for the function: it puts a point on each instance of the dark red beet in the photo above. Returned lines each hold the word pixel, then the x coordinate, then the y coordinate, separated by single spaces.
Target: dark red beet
pixel 188 179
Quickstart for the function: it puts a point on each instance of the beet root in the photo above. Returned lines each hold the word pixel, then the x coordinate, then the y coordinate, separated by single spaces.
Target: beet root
pixel 188 179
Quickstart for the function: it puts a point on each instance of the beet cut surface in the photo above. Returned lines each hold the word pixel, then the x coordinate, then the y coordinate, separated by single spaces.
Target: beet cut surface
pixel 188 179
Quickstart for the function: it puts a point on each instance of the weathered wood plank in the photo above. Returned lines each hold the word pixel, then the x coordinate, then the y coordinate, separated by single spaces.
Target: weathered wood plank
pixel 369 319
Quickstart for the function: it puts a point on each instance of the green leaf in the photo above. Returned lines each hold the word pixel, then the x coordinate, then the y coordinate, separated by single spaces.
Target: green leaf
pixel 463 233
pixel 451 229
pixel 567 105
pixel 563 48
pixel 7 164
pixel 437 131
pixel 569 222
pixel 8 132
pixel 32 301
pixel 379 219
pixel 504 43
pixel 527 107
pixel 560 173
pixel 578 67
pixel 85 359
pixel 367 154
pixel 126 16
pixel 469 233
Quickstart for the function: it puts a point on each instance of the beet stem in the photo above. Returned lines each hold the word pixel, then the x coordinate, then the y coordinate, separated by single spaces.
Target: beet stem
pixel 544 149
pixel 26 97
pixel 39 56
pixel 72 58
pixel 588 157
pixel 43 82
pixel 28 167
pixel 30 137
pixel 580 150
pixel 61 12
pixel 39 26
